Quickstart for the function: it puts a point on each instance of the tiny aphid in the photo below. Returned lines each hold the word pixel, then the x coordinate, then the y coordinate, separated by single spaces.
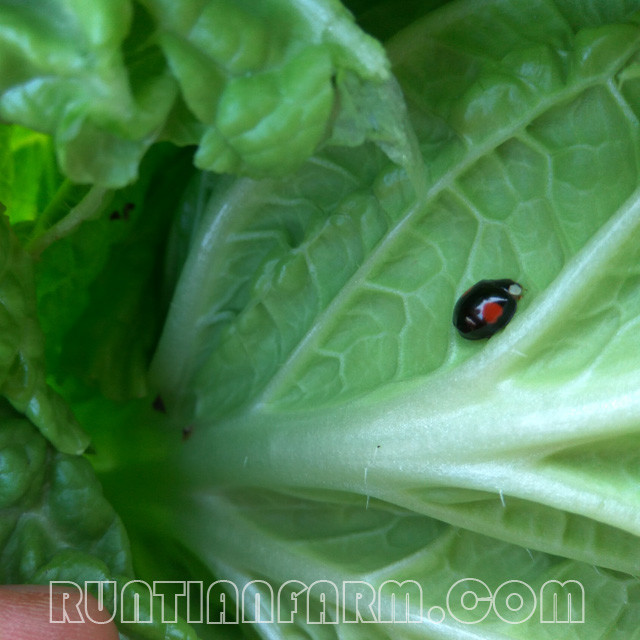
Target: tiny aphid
pixel 127 208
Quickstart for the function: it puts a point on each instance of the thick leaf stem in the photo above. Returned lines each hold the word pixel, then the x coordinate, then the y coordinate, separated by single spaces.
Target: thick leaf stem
pixel 91 205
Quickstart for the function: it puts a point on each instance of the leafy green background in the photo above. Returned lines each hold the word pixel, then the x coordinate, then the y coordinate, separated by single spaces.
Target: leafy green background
pixel 323 418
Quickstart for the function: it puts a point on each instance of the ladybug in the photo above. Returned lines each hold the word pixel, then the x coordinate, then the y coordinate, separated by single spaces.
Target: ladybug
pixel 485 308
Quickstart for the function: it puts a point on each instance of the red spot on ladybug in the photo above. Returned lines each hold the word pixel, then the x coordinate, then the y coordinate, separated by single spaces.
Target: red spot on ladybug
pixel 492 311
pixel 486 307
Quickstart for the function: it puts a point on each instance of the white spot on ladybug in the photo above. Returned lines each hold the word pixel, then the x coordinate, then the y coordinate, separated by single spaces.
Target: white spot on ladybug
pixel 515 290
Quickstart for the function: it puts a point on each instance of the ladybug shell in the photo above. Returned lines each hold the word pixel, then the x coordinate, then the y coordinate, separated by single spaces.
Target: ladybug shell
pixel 485 308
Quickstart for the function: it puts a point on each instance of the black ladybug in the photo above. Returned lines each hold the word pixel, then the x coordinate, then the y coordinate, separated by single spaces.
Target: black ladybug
pixel 486 308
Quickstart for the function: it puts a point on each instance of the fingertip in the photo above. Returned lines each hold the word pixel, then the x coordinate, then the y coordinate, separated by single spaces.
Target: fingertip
pixel 35 611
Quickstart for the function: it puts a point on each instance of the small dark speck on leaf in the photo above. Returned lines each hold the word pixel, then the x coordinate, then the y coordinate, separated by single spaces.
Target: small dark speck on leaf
pixel 158 404
pixel 127 209
pixel 186 433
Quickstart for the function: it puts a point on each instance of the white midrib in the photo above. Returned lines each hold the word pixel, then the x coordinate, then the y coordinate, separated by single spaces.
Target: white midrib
pixel 440 434
pixel 318 331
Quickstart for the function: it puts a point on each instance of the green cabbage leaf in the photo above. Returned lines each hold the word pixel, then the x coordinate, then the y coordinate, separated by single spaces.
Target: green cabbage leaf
pixel 262 353
pixel 310 350
pixel 256 87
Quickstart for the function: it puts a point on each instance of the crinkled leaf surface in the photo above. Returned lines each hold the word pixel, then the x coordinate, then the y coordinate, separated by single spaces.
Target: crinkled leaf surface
pixel 22 371
pixel 310 351
pixel 57 525
pixel 251 85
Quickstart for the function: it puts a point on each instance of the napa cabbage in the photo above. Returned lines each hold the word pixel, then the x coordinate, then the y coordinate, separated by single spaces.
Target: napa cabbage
pixel 233 241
